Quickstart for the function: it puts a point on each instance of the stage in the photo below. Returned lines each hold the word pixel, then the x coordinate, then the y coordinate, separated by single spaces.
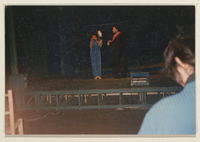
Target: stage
pixel 87 93
pixel 87 106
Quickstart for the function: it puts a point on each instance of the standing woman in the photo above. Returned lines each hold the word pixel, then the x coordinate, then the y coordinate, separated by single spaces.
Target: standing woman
pixel 95 53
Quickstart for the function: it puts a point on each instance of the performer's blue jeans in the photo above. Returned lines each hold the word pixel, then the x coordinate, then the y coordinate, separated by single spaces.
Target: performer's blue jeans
pixel 96 61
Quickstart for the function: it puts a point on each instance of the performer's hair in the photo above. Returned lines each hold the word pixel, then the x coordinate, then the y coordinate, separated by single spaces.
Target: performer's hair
pixel 182 47
pixel 117 27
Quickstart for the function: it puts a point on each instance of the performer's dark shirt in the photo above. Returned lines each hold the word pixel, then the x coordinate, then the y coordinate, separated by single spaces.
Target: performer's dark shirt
pixel 119 58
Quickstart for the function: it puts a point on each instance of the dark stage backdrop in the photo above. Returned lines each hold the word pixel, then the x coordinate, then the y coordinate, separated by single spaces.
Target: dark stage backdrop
pixel 54 40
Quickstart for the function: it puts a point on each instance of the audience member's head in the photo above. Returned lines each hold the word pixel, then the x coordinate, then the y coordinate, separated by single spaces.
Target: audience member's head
pixel 180 57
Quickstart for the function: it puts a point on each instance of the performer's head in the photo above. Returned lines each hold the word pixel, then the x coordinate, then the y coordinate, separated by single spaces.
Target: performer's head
pixel 97 34
pixel 115 28
pixel 180 57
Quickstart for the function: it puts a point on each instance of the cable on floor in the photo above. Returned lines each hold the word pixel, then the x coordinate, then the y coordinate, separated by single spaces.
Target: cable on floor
pixel 38 117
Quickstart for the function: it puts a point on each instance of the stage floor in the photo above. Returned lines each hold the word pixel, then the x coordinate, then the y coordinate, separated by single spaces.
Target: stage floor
pixel 88 83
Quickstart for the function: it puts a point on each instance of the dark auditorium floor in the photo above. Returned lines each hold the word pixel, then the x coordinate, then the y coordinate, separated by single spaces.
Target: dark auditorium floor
pixel 78 122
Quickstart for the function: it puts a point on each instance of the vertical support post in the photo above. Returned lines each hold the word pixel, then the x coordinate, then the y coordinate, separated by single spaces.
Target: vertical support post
pixel 57 99
pixel 147 78
pixel 145 98
pixel 61 42
pixel 65 97
pixel 50 98
pixel 98 99
pixel 11 111
pixel 142 100
pixel 120 99
pixel 79 101
pixel 165 95
pixel 140 96
pixel 11 38
pixel 85 98
pixel 101 97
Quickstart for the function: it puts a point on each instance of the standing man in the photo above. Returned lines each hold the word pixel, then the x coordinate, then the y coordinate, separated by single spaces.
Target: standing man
pixel 119 59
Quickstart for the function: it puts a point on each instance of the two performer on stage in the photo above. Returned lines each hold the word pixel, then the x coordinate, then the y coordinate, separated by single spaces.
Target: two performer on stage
pixel 119 58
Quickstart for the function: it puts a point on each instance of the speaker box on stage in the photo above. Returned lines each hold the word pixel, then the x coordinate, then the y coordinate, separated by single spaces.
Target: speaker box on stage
pixel 139 78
